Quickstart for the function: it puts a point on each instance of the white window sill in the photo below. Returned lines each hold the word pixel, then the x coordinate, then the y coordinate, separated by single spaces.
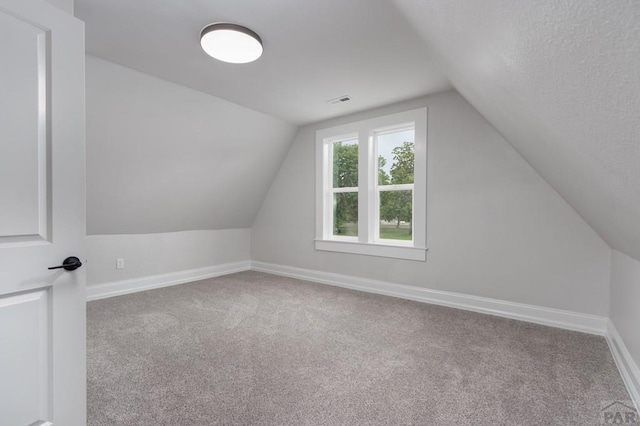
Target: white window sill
pixel 370 249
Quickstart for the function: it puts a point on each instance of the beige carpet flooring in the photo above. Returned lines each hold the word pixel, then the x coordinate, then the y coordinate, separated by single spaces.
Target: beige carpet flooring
pixel 257 349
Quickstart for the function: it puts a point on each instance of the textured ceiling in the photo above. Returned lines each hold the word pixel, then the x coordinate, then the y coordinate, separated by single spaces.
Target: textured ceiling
pixel 314 51
pixel 561 81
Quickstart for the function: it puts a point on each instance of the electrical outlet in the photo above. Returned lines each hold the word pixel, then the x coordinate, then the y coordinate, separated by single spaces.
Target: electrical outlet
pixel 119 263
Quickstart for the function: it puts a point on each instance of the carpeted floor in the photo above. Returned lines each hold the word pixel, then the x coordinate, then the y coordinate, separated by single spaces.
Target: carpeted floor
pixel 252 348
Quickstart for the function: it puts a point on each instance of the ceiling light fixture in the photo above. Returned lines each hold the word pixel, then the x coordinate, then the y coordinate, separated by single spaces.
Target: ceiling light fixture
pixel 231 43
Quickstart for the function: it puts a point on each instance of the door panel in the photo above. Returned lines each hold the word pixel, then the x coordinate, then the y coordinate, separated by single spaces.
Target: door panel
pixel 24 359
pixel 42 215
pixel 23 170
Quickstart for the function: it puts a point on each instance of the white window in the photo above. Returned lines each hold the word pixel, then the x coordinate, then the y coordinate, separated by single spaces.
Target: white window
pixel 371 189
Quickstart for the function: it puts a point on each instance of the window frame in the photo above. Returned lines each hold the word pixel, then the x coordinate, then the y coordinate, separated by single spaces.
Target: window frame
pixel 368 241
pixel 331 191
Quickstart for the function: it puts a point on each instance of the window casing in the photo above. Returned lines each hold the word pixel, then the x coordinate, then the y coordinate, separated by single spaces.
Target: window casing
pixel 382 212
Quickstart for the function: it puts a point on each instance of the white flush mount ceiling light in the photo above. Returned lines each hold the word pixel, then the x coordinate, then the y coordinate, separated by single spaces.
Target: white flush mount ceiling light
pixel 231 43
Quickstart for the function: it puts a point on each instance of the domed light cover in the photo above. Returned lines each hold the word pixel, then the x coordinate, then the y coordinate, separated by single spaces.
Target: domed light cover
pixel 231 43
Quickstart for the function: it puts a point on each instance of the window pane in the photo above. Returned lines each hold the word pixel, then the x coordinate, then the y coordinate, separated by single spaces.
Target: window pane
pixel 395 157
pixel 345 214
pixel 396 209
pixel 345 164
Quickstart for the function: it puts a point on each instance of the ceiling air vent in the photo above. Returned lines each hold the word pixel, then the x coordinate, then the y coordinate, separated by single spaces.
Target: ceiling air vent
pixel 339 100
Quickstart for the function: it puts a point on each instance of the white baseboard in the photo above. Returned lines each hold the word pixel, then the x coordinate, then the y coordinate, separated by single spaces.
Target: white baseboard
pixel 117 288
pixel 628 368
pixel 552 317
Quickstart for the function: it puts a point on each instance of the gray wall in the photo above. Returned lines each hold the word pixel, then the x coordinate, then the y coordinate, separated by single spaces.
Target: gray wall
pixel 495 227
pixel 161 253
pixel 625 300
pixel 165 158
pixel 174 176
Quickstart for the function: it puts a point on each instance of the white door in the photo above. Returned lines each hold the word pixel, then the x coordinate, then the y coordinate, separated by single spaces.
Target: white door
pixel 42 215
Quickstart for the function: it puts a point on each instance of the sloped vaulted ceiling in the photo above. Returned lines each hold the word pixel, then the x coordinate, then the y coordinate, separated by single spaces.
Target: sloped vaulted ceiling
pixel 315 50
pixel 561 81
pixel 161 157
